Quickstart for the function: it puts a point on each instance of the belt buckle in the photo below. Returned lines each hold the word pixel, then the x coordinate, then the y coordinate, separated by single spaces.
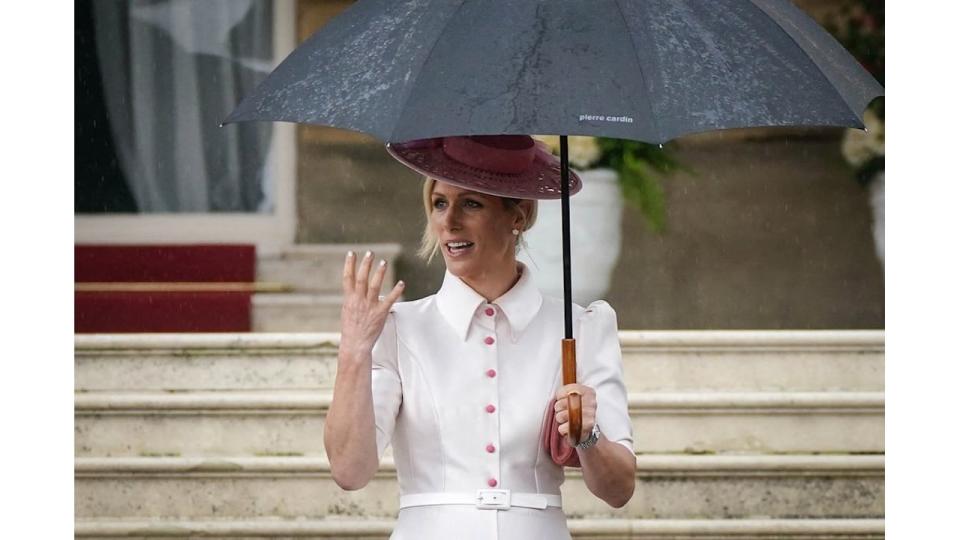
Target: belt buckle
pixel 493 499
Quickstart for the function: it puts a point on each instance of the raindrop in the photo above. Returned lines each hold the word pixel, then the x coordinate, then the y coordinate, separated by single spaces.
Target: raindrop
pixel 661 147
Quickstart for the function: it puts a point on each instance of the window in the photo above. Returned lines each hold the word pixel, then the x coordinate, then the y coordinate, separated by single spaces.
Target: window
pixel 154 78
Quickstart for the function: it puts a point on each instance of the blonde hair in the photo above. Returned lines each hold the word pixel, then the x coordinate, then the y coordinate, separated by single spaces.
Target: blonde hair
pixel 429 244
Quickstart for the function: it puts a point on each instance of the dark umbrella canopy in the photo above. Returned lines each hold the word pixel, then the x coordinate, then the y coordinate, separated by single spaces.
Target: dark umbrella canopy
pixel 649 70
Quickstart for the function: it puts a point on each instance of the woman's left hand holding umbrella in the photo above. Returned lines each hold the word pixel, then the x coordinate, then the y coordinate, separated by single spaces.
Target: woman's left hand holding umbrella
pixel 608 467
pixel 588 404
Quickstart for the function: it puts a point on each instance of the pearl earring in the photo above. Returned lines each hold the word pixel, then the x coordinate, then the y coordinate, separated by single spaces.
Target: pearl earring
pixel 516 232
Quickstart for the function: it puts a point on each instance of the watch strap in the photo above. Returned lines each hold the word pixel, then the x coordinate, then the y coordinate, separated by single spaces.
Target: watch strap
pixel 591 440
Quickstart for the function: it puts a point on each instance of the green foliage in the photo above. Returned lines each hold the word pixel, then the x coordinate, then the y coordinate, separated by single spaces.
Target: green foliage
pixel 868 171
pixel 637 164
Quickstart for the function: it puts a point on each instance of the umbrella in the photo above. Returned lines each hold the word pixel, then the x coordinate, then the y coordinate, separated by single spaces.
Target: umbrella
pixel 649 70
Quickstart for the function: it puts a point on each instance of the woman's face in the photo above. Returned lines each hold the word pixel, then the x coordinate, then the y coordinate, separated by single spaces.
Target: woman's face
pixel 474 230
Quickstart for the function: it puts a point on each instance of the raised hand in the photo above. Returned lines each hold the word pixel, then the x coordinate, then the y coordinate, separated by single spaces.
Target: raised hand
pixel 364 312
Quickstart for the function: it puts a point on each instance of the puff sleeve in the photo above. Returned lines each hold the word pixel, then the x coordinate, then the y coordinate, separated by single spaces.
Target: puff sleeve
pixel 385 381
pixel 600 366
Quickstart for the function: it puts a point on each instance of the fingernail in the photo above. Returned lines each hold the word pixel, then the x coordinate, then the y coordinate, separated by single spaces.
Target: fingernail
pixel 383 262
pixel 367 256
pixel 349 254
pixel 401 283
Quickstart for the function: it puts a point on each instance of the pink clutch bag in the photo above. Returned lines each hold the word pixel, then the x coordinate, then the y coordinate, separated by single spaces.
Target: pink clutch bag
pixel 555 444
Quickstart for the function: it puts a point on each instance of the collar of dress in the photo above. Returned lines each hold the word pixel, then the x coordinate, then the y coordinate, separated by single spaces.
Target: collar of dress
pixel 458 303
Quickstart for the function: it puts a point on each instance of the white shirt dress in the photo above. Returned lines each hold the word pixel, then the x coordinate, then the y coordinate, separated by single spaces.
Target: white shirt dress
pixel 460 387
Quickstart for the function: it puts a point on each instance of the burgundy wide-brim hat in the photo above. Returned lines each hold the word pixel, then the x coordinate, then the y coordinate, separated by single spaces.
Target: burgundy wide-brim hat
pixel 513 166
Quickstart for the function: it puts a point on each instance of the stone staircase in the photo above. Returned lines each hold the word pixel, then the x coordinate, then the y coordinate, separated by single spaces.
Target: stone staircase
pixel 739 435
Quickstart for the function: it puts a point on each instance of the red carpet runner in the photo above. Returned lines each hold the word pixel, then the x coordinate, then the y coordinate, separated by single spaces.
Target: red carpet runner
pixel 163 277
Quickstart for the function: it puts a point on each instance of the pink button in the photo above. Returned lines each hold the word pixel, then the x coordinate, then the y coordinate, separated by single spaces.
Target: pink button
pixel 488 340
pixel 491 373
pixel 492 482
pixel 489 311
pixel 491 448
pixel 491 408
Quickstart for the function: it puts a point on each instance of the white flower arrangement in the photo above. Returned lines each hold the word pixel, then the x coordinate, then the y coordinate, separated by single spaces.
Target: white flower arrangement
pixel 859 147
pixel 582 151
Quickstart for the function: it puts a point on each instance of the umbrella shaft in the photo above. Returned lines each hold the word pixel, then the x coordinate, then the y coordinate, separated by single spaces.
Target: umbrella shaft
pixel 565 214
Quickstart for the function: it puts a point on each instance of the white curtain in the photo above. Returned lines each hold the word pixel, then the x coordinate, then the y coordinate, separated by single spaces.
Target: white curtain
pixel 172 70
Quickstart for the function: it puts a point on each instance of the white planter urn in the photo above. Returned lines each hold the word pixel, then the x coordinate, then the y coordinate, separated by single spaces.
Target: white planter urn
pixel 595 217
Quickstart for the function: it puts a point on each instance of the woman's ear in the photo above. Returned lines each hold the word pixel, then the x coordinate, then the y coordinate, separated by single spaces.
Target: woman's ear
pixel 526 209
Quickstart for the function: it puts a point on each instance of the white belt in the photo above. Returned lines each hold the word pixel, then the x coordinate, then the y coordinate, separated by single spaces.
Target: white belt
pixel 496 499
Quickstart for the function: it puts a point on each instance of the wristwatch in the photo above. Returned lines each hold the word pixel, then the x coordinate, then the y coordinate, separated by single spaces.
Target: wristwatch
pixel 591 440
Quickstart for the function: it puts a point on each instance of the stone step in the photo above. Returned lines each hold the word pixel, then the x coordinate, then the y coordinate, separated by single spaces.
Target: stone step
pixel 581 529
pixel 317 268
pixel 291 423
pixel 746 361
pixel 663 361
pixel 668 487
pixel 296 312
pixel 177 362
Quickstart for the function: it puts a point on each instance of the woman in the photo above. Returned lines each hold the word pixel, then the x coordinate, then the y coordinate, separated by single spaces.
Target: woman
pixel 458 381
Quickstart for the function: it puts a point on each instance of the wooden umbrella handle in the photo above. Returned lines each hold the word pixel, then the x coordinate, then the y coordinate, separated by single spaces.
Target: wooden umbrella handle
pixel 569 347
